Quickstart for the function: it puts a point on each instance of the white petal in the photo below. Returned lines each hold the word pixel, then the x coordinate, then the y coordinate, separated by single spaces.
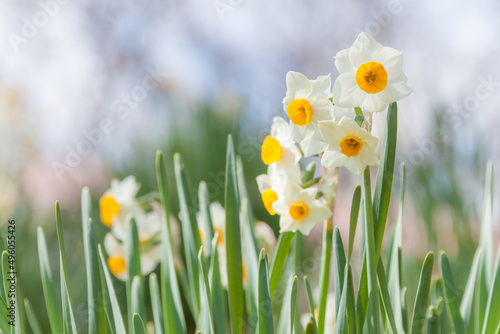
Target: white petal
pixel 322 85
pixel 333 158
pixel 346 92
pixel 112 246
pixel 343 63
pixel 312 147
pixel 355 166
pixel 285 223
pixel 263 182
pixel 373 103
pixel 339 112
pixel 393 62
pixel 297 84
pixel 304 227
pixel 399 89
pixel 350 127
pixel 362 50
pixel 281 207
pixel 368 157
pixel 330 131
pixel 280 129
pixel 320 212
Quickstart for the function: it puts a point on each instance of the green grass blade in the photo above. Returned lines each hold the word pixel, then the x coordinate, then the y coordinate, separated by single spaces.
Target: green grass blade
pixel 341 309
pixel 206 305
pixel 351 304
pixel 293 305
pixel 394 261
pixel 251 262
pixel 138 324
pixel 265 304
pixel 279 259
pixel 371 258
pixel 137 300
pixel 492 316
pixel 49 289
pixel 219 299
pixel 233 243
pixel 339 266
pixel 311 326
pixel 451 295
pixel 204 202
pixel 386 299
pixel 310 300
pixel 156 304
pixel 383 186
pixel 467 303
pixel 173 313
pixel 133 257
pixel 422 299
pixel 96 316
pixel 324 276
pixel 353 222
pixel 68 316
pixel 362 298
pixel 190 232
pixel 32 319
pixel 432 321
pixel 486 238
pixel 117 315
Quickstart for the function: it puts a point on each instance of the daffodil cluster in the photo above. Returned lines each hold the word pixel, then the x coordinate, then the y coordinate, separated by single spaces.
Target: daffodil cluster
pixel 330 123
pixel 116 206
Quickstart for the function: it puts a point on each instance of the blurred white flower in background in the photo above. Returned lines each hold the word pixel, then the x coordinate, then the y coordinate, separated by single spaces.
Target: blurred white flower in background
pixel 150 257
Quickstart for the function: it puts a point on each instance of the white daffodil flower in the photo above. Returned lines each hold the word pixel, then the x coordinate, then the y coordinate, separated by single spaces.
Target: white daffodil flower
pixel 218 215
pixel 299 209
pixel 280 149
pixel 306 103
pixel 349 145
pixel 117 263
pixel 271 186
pixel 119 201
pixel 371 76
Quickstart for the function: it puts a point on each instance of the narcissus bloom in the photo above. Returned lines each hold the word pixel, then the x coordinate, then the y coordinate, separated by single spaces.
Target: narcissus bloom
pixel 280 149
pixel 306 103
pixel 299 209
pixel 371 76
pixel 119 201
pixel 349 145
pixel 271 186
pixel 150 257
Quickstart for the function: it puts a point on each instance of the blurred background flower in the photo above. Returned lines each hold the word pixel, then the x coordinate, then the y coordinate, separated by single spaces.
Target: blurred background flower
pixel 90 90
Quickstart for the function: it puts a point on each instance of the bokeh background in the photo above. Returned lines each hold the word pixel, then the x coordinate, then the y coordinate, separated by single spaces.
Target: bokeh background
pixel 89 90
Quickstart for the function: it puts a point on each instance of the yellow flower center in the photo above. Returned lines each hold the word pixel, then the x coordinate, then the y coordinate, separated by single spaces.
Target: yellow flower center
pixel 116 265
pixel 200 231
pixel 300 112
pixel 350 146
pixel 271 150
pixel 220 238
pixel 109 208
pixel 299 211
pixel 268 198
pixel 371 77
